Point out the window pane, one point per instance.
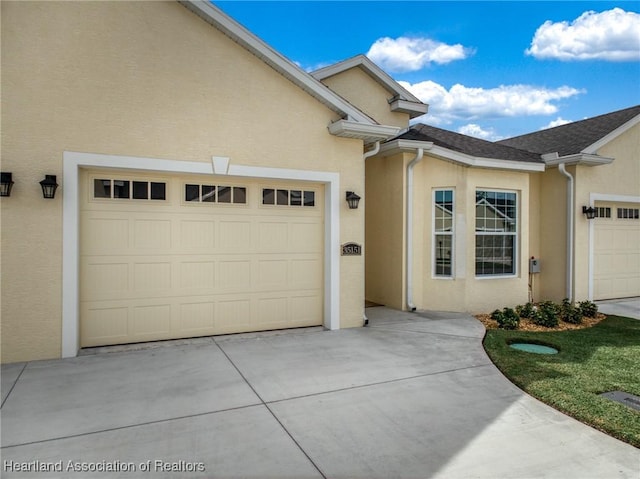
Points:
(140, 190)
(224, 194)
(158, 191)
(239, 194)
(283, 197)
(444, 210)
(120, 189)
(192, 193)
(495, 255)
(208, 193)
(309, 198)
(268, 196)
(296, 198)
(102, 188)
(443, 251)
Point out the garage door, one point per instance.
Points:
(175, 257)
(616, 251)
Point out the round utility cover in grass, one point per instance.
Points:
(534, 348)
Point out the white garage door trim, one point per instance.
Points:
(73, 161)
(593, 197)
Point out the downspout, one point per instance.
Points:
(570, 230)
(409, 228)
(367, 155)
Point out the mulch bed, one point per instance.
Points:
(527, 325)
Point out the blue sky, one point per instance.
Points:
(488, 69)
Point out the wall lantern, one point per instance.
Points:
(352, 200)
(49, 186)
(6, 182)
(590, 211)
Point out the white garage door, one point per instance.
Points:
(175, 257)
(616, 251)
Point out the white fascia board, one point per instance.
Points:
(372, 69)
(400, 145)
(403, 146)
(413, 109)
(583, 159)
(369, 133)
(218, 19)
(592, 149)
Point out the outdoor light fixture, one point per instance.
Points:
(49, 186)
(352, 200)
(6, 182)
(590, 211)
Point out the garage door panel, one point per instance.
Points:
(172, 269)
(616, 255)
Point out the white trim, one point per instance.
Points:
(440, 152)
(593, 197)
(584, 159)
(73, 161)
(373, 70)
(218, 19)
(593, 148)
(368, 133)
(414, 110)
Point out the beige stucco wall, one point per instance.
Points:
(386, 179)
(368, 95)
(621, 178)
(145, 79)
(385, 220)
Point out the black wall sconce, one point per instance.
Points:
(6, 182)
(352, 200)
(49, 186)
(589, 211)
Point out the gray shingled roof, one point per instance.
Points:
(572, 138)
(467, 144)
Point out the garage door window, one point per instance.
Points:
(129, 189)
(628, 213)
(281, 197)
(603, 212)
(198, 193)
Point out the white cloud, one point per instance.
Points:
(478, 132)
(406, 54)
(557, 122)
(470, 103)
(613, 35)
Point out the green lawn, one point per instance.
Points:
(602, 358)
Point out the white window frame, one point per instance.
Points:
(435, 234)
(515, 234)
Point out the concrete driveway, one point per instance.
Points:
(629, 307)
(408, 397)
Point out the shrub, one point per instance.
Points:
(546, 315)
(572, 315)
(508, 319)
(588, 309)
(527, 309)
(497, 315)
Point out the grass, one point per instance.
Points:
(605, 357)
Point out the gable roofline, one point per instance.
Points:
(593, 148)
(239, 34)
(402, 100)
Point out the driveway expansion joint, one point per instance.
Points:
(387, 328)
(14, 384)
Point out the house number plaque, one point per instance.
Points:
(351, 249)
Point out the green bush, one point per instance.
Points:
(588, 309)
(527, 309)
(508, 319)
(572, 315)
(497, 315)
(547, 314)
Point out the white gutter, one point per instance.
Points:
(409, 239)
(369, 154)
(570, 230)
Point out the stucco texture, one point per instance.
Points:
(146, 79)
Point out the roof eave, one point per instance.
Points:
(219, 20)
(413, 109)
(367, 133)
(552, 160)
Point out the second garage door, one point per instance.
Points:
(175, 257)
(616, 251)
